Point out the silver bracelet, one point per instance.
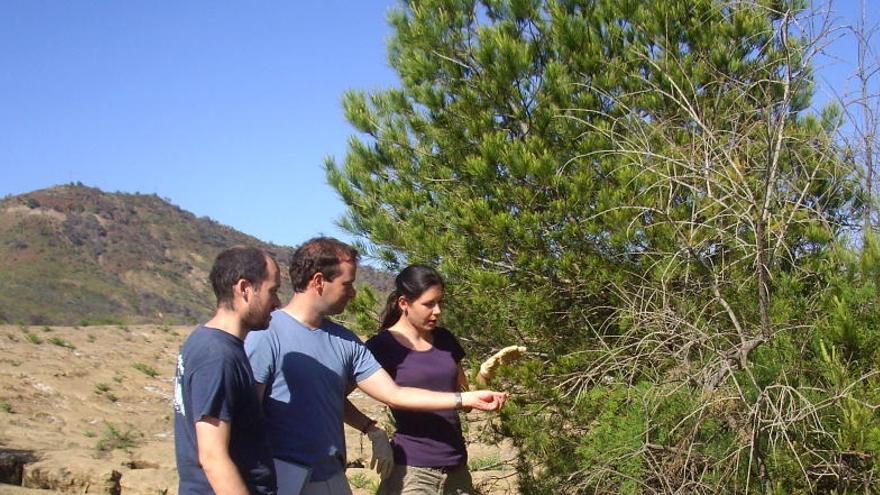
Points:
(457, 400)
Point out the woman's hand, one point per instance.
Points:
(484, 400)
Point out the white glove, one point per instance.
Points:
(383, 456)
(505, 356)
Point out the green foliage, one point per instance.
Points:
(492, 461)
(361, 481)
(62, 343)
(634, 191)
(116, 438)
(33, 339)
(5, 406)
(146, 369)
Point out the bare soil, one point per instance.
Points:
(88, 410)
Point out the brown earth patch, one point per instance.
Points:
(88, 410)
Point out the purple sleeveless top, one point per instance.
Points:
(424, 439)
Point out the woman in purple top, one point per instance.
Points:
(429, 451)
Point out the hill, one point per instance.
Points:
(73, 254)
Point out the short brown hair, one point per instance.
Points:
(234, 264)
(319, 255)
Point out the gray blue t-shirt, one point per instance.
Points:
(214, 379)
(307, 375)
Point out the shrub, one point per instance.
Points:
(62, 343)
(492, 461)
(146, 369)
(115, 438)
(363, 482)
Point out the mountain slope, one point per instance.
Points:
(75, 255)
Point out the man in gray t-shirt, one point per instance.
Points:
(305, 365)
(308, 372)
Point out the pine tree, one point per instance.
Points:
(634, 190)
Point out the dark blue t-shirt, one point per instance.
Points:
(214, 378)
(424, 439)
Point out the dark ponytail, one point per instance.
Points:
(410, 283)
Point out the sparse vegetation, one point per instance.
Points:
(47, 328)
(101, 388)
(33, 339)
(62, 343)
(71, 252)
(12, 337)
(111, 397)
(485, 463)
(363, 482)
(5, 406)
(118, 377)
(90, 338)
(146, 369)
(115, 438)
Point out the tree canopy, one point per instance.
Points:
(634, 190)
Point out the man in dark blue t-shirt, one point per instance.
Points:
(219, 438)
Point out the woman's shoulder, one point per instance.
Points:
(445, 340)
(444, 333)
(381, 338)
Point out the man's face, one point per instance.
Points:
(264, 299)
(340, 291)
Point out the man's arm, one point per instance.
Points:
(382, 459)
(352, 416)
(212, 438)
(381, 387)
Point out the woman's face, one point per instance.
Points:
(424, 312)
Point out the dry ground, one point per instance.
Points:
(88, 410)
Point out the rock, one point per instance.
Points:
(81, 476)
(160, 481)
(12, 464)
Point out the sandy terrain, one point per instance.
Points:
(88, 410)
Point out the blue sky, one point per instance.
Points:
(226, 108)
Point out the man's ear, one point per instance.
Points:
(318, 281)
(243, 289)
